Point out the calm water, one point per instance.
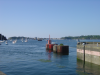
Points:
(31, 58)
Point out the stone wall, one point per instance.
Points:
(92, 53)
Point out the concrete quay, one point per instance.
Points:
(89, 52)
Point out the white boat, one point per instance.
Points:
(22, 39)
(14, 41)
(11, 40)
(1, 41)
(26, 40)
(6, 43)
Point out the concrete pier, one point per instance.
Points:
(61, 49)
(92, 52)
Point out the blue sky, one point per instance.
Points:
(59, 18)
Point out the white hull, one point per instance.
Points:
(25, 40)
(1, 41)
(14, 41)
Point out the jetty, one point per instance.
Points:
(89, 51)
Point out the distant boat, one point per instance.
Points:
(11, 40)
(22, 39)
(6, 43)
(26, 40)
(39, 39)
(1, 41)
(14, 41)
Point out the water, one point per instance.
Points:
(32, 58)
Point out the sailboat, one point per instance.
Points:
(26, 40)
(6, 43)
(11, 40)
(22, 39)
(14, 42)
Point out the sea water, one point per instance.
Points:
(32, 58)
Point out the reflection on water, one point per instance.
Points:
(57, 55)
(59, 62)
(31, 58)
(49, 54)
(88, 68)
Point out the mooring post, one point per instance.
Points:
(84, 57)
(84, 53)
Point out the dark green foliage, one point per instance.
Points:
(83, 37)
(17, 37)
(2, 37)
(61, 44)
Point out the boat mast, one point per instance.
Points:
(49, 37)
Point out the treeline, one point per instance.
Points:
(2, 37)
(18, 37)
(83, 37)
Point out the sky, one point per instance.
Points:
(59, 18)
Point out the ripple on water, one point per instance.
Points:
(32, 58)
